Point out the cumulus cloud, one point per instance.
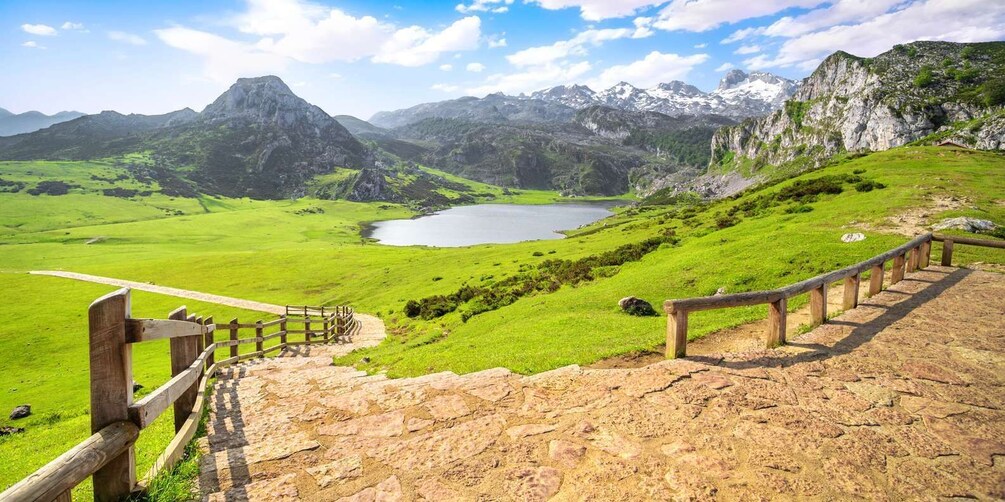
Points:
(723, 67)
(950, 20)
(531, 79)
(69, 25)
(598, 10)
(223, 59)
(495, 42)
(748, 49)
(475, 67)
(656, 67)
(576, 46)
(738, 35)
(416, 46)
(493, 6)
(704, 15)
(446, 67)
(126, 38)
(31, 44)
(838, 12)
(43, 30)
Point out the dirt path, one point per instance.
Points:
(901, 398)
(372, 329)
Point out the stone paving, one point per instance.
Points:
(901, 398)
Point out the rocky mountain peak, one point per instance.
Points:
(263, 99)
(731, 79)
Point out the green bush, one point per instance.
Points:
(925, 77)
(806, 190)
(801, 208)
(868, 186)
(725, 220)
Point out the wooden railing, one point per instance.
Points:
(906, 258)
(116, 421)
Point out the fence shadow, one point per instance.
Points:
(232, 441)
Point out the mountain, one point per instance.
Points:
(494, 108)
(11, 123)
(257, 139)
(358, 127)
(739, 95)
(855, 104)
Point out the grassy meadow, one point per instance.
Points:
(309, 251)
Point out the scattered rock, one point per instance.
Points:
(20, 412)
(565, 452)
(853, 237)
(636, 306)
(7, 431)
(721, 291)
(966, 224)
(540, 483)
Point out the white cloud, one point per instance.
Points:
(309, 33)
(31, 44)
(446, 67)
(949, 20)
(126, 38)
(700, 46)
(738, 35)
(72, 26)
(494, 6)
(223, 60)
(748, 49)
(723, 67)
(562, 49)
(531, 79)
(703, 15)
(656, 67)
(838, 12)
(598, 10)
(416, 46)
(475, 67)
(445, 87)
(39, 29)
(496, 42)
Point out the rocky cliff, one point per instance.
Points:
(853, 104)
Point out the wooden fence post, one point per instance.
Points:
(947, 253)
(677, 334)
(926, 254)
(184, 351)
(233, 337)
(898, 269)
(211, 359)
(307, 329)
(776, 322)
(259, 344)
(282, 327)
(325, 327)
(876, 280)
(851, 291)
(111, 388)
(913, 259)
(818, 305)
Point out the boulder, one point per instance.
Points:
(636, 306)
(20, 412)
(7, 431)
(854, 237)
(966, 224)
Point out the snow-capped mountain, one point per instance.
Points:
(739, 95)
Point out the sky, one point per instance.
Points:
(362, 56)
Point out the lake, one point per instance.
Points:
(489, 224)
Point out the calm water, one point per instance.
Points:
(489, 224)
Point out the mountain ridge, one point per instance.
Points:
(19, 123)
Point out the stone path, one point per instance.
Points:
(900, 398)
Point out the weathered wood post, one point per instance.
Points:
(282, 327)
(307, 330)
(851, 284)
(947, 253)
(259, 344)
(912, 260)
(325, 327)
(876, 280)
(776, 322)
(233, 337)
(926, 254)
(676, 333)
(898, 269)
(818, 305)
(184, 351)
(209, 340)
(111, 388)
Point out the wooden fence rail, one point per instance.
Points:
(907, 258)
(116, 421)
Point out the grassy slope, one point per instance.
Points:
(263, 250)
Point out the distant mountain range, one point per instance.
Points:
(18, 123)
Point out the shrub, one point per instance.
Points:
(801, 208)
(809, 189)
(725, 220)
(925, 77)
(868, 186)
(967, 52)
(538, 253)
(51, 188)
(412, 309)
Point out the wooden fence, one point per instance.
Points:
(906, 258)
(116, 421)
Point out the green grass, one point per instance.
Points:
(267, 251)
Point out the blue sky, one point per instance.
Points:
(359, 57)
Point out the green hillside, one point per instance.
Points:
(310, 251)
